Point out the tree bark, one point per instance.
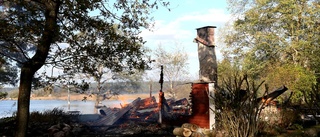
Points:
(24, 100)
(34, 64)
(97, 102)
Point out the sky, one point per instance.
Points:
(180, 23)
(179, 26)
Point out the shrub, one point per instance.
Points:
(278, 120)
(238, 107)
(3, 95)
(14, 94)
(49, 116)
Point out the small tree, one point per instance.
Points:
(175, 65)
(35, 29)
(100, 76)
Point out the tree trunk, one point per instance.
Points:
(96, 105)
(24, 100)
(34, 64)
(97, 102)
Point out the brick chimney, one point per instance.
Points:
(206, 54)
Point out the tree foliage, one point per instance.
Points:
(280, 36)
(226, 67)
(297, 79)
(8, 73)
(33, 31)
(278, 31)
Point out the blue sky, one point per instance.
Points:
(179, 25)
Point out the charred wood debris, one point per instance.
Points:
(138, 118)
(141, 117)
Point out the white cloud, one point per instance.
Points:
(179, 28)
(183, 29)
(207, 16)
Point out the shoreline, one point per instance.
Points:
(80, 97)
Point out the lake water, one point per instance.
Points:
(8, 107)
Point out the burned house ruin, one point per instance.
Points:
(195, 110)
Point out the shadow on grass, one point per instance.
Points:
(39, 122)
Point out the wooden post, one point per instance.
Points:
(161, 96)
(150, 89)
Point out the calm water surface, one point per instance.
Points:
(8, 107)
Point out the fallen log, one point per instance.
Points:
(207, 132)
(190, 126)
(187, 132)
(178, 131)
(182, 132)
(197, 134)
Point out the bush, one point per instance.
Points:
(278, 120)
(14, 94)
(3, 95)
(49, 116)
(239, 108)
(289, 117)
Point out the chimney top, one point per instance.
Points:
(205, 35)
(206, 27)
